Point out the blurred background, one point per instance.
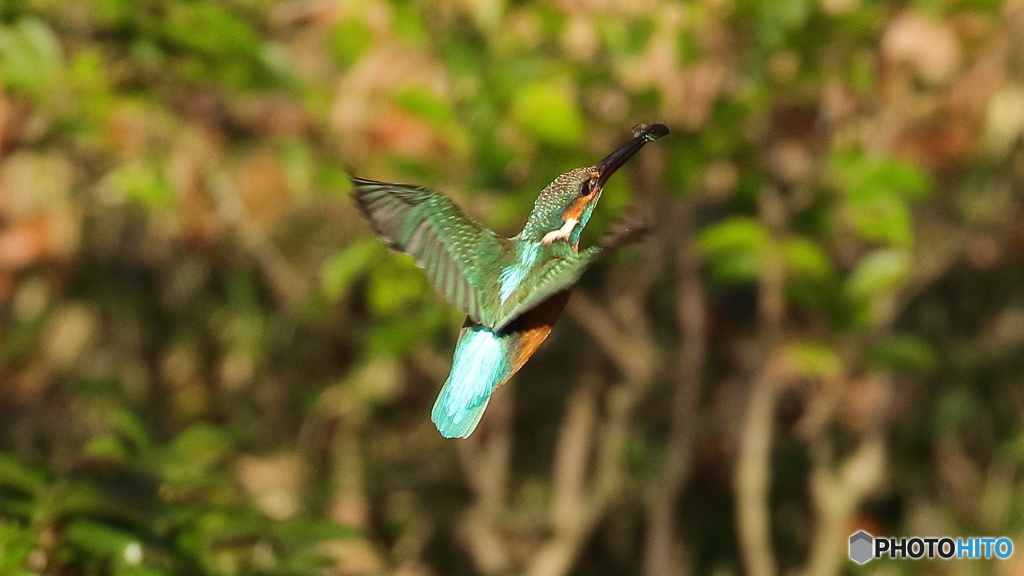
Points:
(208, 365)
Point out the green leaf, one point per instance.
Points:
(298, 531)
(98, 538)
(30, 57)
(736, 267)
(17, 475)
(395, 286)
(549, 114)
(880, 272)
(407, 23)
(638, 35)
(126, 423)
(145, 182)
(864, 178)
(814, 360)
(735, 234)
(208, 28)
(106, 446)
(297, 161)
(201, 446)
(349, 41)
(340, 271)
(955, 409)
(421, 102)
(804, 257)
(904, 352)
(883, 219)
(16, 544)
(687, 48)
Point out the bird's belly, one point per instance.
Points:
(535, 325)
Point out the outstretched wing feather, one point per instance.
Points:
(460, 257)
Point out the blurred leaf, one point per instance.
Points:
(211, 29)
(16, 543)
(425, 104)
(733, 235)
(864, 178)
(296, 532)
(74, 498)
(339, 272)
(884, 219)
(804, 257)
(350, 39)
(201, 446)
(904, 352)
(141, 571)
(883, 271)
(106, 446)
(99, 538)
(394, 336)
(17, 475)
(778, 19)
(144, 182)
(736, 267)
(815, 360)
(549, 114)
(687, 48)
(407, 23)
(127, 423)
(297, 161)
(955, 408)
(395, 285)
(638, 35)
(30, 58)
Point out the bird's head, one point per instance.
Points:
(564, 207)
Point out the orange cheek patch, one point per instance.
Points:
(575, 210)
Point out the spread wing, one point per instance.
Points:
(561, 273)
(461, 258)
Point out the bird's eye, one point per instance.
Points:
(588, 187)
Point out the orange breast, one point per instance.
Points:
(536, 325)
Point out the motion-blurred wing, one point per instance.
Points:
(461, 258)
(561, 273)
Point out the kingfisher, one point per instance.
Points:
(512, 290)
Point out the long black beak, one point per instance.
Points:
(642, 134)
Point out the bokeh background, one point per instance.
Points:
(208, 366)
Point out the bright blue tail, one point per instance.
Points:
(481, 363)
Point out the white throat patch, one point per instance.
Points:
(562, 233)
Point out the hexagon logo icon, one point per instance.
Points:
(861, 545)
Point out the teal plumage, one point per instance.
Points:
(511, 289)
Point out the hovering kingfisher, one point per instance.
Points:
(512, 289)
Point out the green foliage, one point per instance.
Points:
(143, 181)
(877, 194)
(735, 248)
(880, 273)
(806, 259)
(905, 352)
(340, 272)
(210, 29)
(30, 58)
(546, 112)
(350, 39)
